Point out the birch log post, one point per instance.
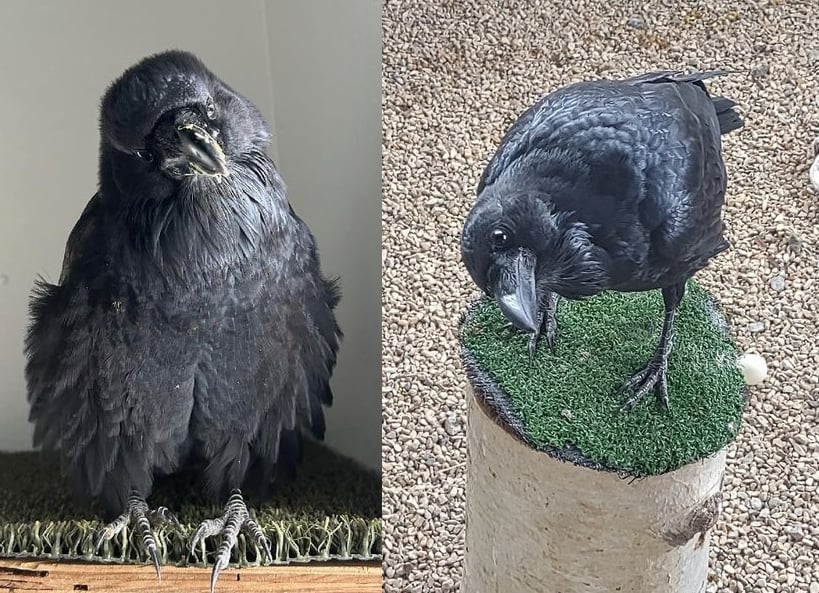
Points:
(536, 523)
(567, 494)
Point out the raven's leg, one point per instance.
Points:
(547, 324)
(653, 376)
(236, 517)
(137, 512)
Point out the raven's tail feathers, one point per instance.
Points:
(729, 119)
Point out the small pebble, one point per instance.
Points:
(636, 22)
(795, 243)
(761, 70)
(451, 425)
(778, 283)
(776, 503)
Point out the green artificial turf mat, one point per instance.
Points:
(564, 403)
(331, 511)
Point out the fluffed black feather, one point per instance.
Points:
(191, 318)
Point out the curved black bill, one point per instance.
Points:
(515, 293)
(203, 154)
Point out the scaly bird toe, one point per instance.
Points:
(547, 330)
(547, 324)
(235, 518)
(138, 513)
(532, 346)
(652, 377)
(550, 331)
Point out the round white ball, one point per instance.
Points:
(754, 368)
(813, 173)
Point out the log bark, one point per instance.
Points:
(538, 524)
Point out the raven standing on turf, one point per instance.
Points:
(191, 320)
(604, 185)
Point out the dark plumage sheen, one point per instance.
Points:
(603, 185)
(191, 320)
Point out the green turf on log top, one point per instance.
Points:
(331, 511)
(564, 403)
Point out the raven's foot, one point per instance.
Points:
(137, 512)
(547, 326)
(652, 377)
(534, 337)
(236, 517)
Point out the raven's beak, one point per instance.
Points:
(201, 151)
(515, 293)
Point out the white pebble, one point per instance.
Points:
(754, 368)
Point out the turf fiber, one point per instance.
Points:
(564, 403)
(331, 511)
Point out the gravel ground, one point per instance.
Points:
(456, 73)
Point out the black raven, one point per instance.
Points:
(191, 321)
(603, 185)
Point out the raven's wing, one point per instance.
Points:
(79, 240)
(97, 383)
(570, 102)
(551, 121)
(512, 145)
(685, 177)
(61, 373)
(46, 339)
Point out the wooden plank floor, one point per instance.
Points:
(65, 577)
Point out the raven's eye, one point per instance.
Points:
(210, 108)
(144, 154)
(499, 237)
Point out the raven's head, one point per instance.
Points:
(169, 119)
(517, 249)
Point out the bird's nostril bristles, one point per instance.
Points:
(196, 131)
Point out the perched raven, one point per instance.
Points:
(604, 185)
(191, 322)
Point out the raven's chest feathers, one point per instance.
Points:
(218, 262)
(205, 227)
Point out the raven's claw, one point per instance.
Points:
(655, 374)
(236, 517)
(532, 346)
(547, 326)
(652, 377)
(550, 328)
(137, 512)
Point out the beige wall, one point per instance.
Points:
(328, 122)
(56, 58)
